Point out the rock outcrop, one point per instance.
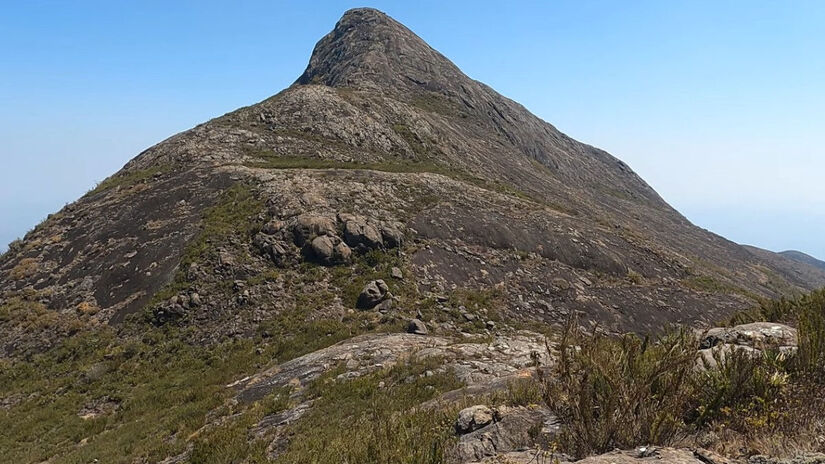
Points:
(716, 343)
(486, 433)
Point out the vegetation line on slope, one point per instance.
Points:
(268, 160)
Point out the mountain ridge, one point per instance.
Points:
(376, 101)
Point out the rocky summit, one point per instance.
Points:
(385, 224)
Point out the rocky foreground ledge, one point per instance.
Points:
(643, 455)
(488, 366)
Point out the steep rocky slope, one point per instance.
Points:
(381, 126)
(383, 192)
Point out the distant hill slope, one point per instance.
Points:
(787, 266)
(803, 258)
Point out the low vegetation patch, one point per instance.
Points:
(270, 160)
(468, 309)
(295, 333)
(620, 392)
(130, 178)
(100, 396)
(234, 216)
(623, 391)
(374, 418)
(713, 285)
(24, 269)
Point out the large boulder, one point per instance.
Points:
(361, 235)
(418, 327)
(373, 293)
(329, 250)
(392, 236)
(308, 226)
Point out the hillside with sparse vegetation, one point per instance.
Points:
(390, 262)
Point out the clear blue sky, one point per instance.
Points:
(720, 106)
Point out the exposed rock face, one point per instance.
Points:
(719, 342)
(653, 454)
(637, 456)
(809, 458)
(511, 431)
(755, 335)
(476, 364)
(473, 418)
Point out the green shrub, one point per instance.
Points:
(738, 387)
(161, 390)
(620, 391)
(520, 392)
(810, 315)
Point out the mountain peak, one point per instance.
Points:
(369, 49)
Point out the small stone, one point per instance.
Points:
(272, 227)
(384, 306)
(473, 418)
(417, 326)
(195, 299)
(396, 273)
(490, 325)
